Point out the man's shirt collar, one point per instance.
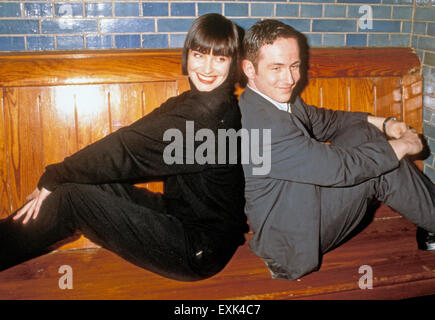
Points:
(281, 106)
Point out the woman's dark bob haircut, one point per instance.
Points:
(213, 32)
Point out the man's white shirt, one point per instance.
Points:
(281, 106)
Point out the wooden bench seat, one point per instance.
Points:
(53, 104)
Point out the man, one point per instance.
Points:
(315, 193)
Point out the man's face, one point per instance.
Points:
(278, 69)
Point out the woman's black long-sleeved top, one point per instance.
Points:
(209, 196)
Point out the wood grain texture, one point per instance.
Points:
(362, 62)
(124, 66)
(400, 271)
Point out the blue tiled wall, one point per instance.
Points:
(81, 24)
(30, 25)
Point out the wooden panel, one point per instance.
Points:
(412, 97)
(361, 94)
(388, 97)
(91, 112)
(24, 141)
(5, 200)
(311, 93)
(362, 62)
(350, 94)
(183, 85)
(66, 68)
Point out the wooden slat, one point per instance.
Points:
(92, 112)
(412, 101)
(24, 141)
(361, 95)
(388, 99)
(5, 183)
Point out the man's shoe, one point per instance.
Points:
(425, 239)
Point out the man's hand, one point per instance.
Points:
(409, 143)
(395, 129)
(32, 207)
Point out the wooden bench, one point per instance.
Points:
(55, 103)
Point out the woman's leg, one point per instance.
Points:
(114, 216)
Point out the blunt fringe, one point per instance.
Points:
(213, 32)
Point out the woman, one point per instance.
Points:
(191, 231)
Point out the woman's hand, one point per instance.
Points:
(31, 208)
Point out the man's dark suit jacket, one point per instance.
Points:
(283, 206)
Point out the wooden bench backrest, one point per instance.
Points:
(53, 104)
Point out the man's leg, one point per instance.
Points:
(404, 189)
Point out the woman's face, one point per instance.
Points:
(207, 71)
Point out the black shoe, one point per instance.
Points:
(425, 239)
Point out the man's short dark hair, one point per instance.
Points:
(266, 32)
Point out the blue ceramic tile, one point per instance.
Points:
(126, 25)
(378, 12)
(12, 44)
(154, 41)
(99, 9)
(402, 12)
(311, 11)
(99, 42)
(431, 29)
(174, 25)
(426, 43)
(335, 11)
(378, 40)
(127, 41)
(419, 28)
(333, 40)
(399, 40)
(334, 25)
(68, 26)
(425, 14)
(287, 10)
(359, 1)
(182, 9)
(10, 10)
(177, 40)
(126, 9)
(208, 7)
(236, 9)
(356, 40)
(38, 10)
(68, 10)
(69, 42)
(261, 10)
(383, 26)
(40, 43)
(151, 9)
(245, 23)
(302, 25)
(314, 39)
(19, 26)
